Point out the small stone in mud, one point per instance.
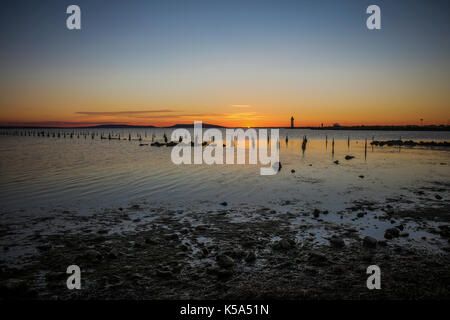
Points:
(113, 254)
(337, 242)
(438, 197)
(400, 227)
(223, 273)
(404, 234)
(135, 207)
(251, 256)
(292, 171)
(360, 214)
(336, 161)
(150, 241)
(16, 288)
(391, 233)
(163, 273)
(349, 157)
(45, 247)
(224, 261)
(369, 242)
(93, 255)
(283, 244)
(310, 270)
(361, 176)
(338, 269)
(172, 236)
(224, 203)
(317, 257)
(382, 243)
(316, 213)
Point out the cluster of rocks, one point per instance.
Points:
(204, 256)
(410, 143)
(161, 144)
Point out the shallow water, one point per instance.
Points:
(46, 172)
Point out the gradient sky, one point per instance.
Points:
(236, 63)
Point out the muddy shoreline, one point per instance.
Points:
(147, 252)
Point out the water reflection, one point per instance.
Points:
(111, 167)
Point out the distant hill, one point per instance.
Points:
(191, 125)
(118, 126)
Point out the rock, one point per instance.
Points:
(444, 231)
(316, 213)
(382, 243)
(224, 203)
(251, 256)
(173, 236)
(337, 242)
(317, 257)
(370, 242)
(360, 214)
(113, 254)
(292, 171)
(150, 241)
(225, 261)
(283, 244)
(224, 273)
(44, 247)
(404, 234)
(336, 161)
(93, 255)
(400, 227)
(349, 157)
(163, 273)
(337, 270)
(310, 270)
(135, 207)
(367, 258)
(15, 289)
(361, 176)
(391, 233)
(438, 197)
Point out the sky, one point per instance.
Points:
(231, 63)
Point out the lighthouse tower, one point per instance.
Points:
(292, 122)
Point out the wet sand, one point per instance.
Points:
(282, 251)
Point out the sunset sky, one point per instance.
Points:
(232, 63)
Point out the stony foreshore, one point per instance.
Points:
(148, 252)
(410, 143)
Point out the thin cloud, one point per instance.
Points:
(241, 105)
(122, 113)
(244, 115)
(56, 123)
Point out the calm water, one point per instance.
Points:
(47, 172)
